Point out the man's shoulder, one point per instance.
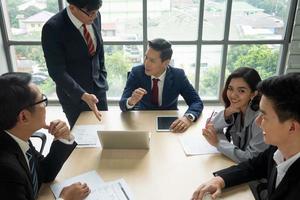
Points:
(175, 70)
(139, 69)
(270, 151)
(57, 19)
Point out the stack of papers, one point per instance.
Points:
(196, 145)
(86, 135)
(100, 190)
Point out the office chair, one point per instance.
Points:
(128, 73)
(42, 137)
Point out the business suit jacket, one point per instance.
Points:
(69, 64)
(262, 166)
(15, 177)
(175, 84)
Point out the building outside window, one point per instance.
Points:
(210, 38)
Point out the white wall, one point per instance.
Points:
(3, 63)
(293, 60)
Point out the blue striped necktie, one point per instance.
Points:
(33, 172)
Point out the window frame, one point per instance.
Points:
(225, 42)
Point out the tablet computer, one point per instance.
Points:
(163, 123)
(124, 139)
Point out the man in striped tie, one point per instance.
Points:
(22, 168)
(74, 54)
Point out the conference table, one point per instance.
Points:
(162, 172)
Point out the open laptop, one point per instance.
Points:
(124, 139)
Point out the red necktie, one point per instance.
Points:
(89, 41)
(154, 97)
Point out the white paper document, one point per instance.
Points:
(86, 135)
(196, 145)
(114, 190)
(91, 178)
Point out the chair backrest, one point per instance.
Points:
(42, 137)
(128, 73)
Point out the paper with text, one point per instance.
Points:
(92, 179)
(86, 135)
(115, 190)
(195, 144)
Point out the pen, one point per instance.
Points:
(123, 191)
(209, 119)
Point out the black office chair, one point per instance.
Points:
(43, 138)
(128, 73)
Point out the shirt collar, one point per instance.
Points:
(23, 145)
(77, 23)
(161, 77)
(283, 165)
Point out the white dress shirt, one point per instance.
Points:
(283, 165)
(160, 85)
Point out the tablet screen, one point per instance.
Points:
(164, 122)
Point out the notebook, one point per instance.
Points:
(124, 139)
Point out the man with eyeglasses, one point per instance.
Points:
(73, 50)
(22, 168)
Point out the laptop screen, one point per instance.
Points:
(124, 139)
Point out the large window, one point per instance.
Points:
(210, 37)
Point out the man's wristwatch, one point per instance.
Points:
(190, 117)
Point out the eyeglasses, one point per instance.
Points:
(89, 14)
(44, 101)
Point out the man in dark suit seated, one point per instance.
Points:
(22, 168)
(279, 164)
(156, 85)
(73, 50)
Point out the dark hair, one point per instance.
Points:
(88, 4)
(251, 77)
(284, 92)
(163, 46)
(15, 95)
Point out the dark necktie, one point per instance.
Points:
(33, 172)
(89, 41)
(154, 92)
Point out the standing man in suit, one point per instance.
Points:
(156, 85)
(22, 168)
(73, 49)
(279, 164)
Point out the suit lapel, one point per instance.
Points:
(11, 145)
(73, 34)
(272, 180)
(291, 177)
(168, 83)
(97, 31)
(147, 86)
